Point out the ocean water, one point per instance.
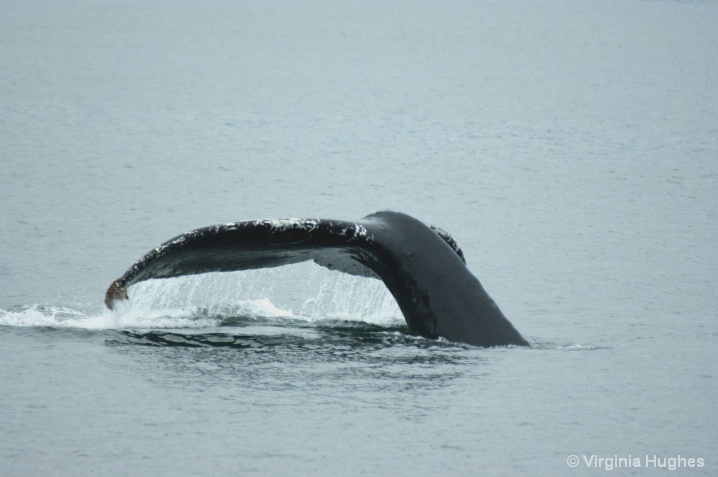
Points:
(571, 148)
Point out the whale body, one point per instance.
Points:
(422, 266)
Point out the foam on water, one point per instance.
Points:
(132, 315)
(212, 300)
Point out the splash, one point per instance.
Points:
(301, 291)
(42, 315)
(350, 298)
(222, 299)
(133, 316)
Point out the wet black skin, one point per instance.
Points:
(423, 268)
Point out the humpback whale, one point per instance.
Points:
(422, 266)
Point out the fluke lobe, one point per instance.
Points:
(422, 266)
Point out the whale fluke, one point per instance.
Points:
(422, 266)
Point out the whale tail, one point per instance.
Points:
(422, 266)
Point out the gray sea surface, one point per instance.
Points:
(570, 147)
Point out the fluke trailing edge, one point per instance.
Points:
(422, 266)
